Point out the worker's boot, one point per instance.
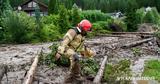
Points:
(69, 79)
(77, 72)
(75, 76)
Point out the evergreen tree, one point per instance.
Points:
(105, 5)
(131, 15)
(63, 19)
(75, 15)
(149, 17)
(16, 3)
(68, 3)
(152, 16)
(38, 16)
(53, 6)
(4, 6)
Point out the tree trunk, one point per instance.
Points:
(142, 33)
(99, 75)
(135, 43)
(125, 35)
(30, 74)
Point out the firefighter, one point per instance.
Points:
(72, 46)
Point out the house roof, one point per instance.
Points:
(40, 3)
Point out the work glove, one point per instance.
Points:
(76, 57)
(61, 49)
(89, 52)
(57, 56)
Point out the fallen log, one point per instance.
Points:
(99, 75)
(3, 70)
(124, 35)
(93, 43)
(143, 33)
(135, 43)
(30, 74)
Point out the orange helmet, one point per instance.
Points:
(85, 25)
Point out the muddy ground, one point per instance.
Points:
(20, 57)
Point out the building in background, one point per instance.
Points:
(30, 5)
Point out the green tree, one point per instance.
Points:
(37, 16)
(149, 17)
(152, 16)
(131, 15)
(75, 15)
(4, 6)
(44, 1)
(53, 6)
(68, 3)
(158, 5)
(16, 3)
(38, 22)
(104, 5)
(63, 19)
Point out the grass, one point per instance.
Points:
(152, 69)
(136, 51)
(122, 69)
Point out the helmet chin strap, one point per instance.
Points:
(79, 29)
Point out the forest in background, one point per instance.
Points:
(18, 27)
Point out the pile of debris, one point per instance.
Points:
(109, 48)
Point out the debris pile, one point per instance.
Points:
(110, 49)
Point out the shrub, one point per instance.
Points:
(63, 21)
(136, 51)
(1, 31)
(103, 27)
(99, 27)
(19, 27)
(50, 32)
(75, 15)
(131, 21)
(122, 69)
(152, 17)
(140, 13)
(117, 25)
(51, 19)
(50, 28)
(1, 34)
(94, 15)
